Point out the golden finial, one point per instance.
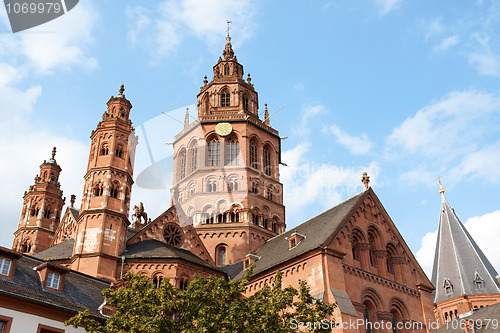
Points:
(441, 189)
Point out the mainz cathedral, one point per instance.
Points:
(226, 212)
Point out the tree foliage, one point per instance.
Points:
(209, 304)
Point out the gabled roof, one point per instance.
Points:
(62, 250)
(459, 260)
(75, 212)
(151, 248)
(317, 231)
(80, 291)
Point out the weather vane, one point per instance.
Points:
(228, 27)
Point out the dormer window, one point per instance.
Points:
(5, 266)
(448, 287)
(249, 259)
(53, 280)
(294, 239)
(52, 275)
(478, 281)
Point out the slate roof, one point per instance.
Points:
(152, 248)
(62, 250)
(458, 259)
(487, 320)
(232, 270)
(80, 291)
(75, 212)
(317, 231)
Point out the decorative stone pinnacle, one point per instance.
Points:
(365, 179)
(73, 199)
(186, 118)
(122, 89)
(205, 81)
(53, 152)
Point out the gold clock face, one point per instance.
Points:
(223, 129)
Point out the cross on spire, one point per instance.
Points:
(228, 27)
(365, 179)
(441, 189)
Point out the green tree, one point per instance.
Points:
(209, 304)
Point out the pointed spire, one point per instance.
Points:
(365, 180)
(458, 259)
(186, 118)
(266, 115)
(228, 52)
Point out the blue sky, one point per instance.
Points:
(405, 90)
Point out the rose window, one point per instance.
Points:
(173, 234)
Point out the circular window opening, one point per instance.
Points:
(173, 234)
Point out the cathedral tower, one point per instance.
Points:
(41, 211)
(226, 178)
(103, 219)
(463, 276)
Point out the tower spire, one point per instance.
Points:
(228, 52)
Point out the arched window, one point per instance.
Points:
(226, 70)
(233, 184)
(245, 103)
(26, 247)
(206, 104)
(391, 254)
(371, 242)
(213, 152)
(183, 283)
(253, 154)
(255, 187)
(46, 214)
(448, 287)
(98, 189)
(212, 185)
(269, 193)
(220, 255)
(157, 281)
(119, 151)
(267, 161)
(182, 165)
(34, 211)
(104, 149)
(233, 152)
(114, 190)
(194, 157)
(225, 98)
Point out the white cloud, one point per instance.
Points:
(447, 127)
(206, 19)
(484, 229)
(24, 147)
(387, 5)
(450, 136)
(325, 185)
(486, 63)
(357, 145)
(308, 113)
(60, 43)
(446, 44)
(432, 27)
